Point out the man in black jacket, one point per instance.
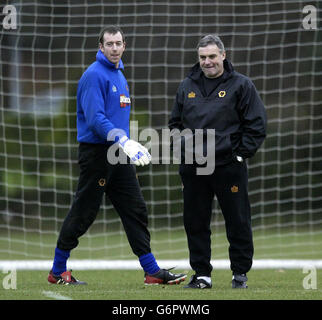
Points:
(214, 96)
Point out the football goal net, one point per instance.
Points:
(46, 46)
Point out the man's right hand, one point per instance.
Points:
(137, 153)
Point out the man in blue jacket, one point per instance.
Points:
(214, 96)
(103, 113)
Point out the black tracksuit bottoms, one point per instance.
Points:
(230, 185)
(120, 184)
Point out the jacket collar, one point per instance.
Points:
(196, 72)
(103, 60)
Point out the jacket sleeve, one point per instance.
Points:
(253, 121)
(92, 99)
(175, 121)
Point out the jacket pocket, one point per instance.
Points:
(224, 151)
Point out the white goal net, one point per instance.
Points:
(45, 47)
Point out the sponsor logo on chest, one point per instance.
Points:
(124, 101)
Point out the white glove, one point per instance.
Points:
(138, 154)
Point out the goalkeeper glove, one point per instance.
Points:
(138, 154)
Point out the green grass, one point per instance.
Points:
(166, 244)
(128, 285)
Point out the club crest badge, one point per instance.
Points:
(191, 95)
(102, 182)
(221, 93)
(234, 189)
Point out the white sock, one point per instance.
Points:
(207, 279)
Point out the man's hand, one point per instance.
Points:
(138, 154)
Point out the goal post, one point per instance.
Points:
(278, 44)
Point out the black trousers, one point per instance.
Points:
(229, 184)
(120, 184)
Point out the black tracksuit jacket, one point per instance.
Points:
(233, 108)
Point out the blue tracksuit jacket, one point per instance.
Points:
(103, 102)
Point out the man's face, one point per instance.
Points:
(113, 47)
(211, 61)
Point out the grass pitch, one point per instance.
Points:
(128, 285)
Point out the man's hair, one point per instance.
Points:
(211, 39)
(111, 30)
